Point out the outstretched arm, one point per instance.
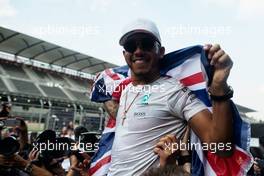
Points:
(216, 127)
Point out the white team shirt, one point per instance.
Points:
(162, 107)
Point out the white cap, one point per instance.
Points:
(140, 26)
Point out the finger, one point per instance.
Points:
(212, 50)
(31, 152)
(166, 139)
(161, 145)
(37, 154)
(34, 153)
(216, 56)
(157, 150)
(224, 61)
(161, 153)
(207, 46)
(172, 138)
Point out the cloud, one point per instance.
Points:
(244, 9)
(221, 3)
(99, 5)
(6, 9)
(250, 9)
(261, 89)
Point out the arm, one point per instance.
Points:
(216, 127)
(111, 107)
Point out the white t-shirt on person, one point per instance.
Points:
(160, 108)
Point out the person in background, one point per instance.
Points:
(6, 109)
(168, 149)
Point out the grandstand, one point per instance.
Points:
(50, 84)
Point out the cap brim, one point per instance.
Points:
(124, 38)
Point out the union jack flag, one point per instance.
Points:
(190, 66)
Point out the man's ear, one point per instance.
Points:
(124, 52)
(161, 52)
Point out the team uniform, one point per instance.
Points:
(151, 112)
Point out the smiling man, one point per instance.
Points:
(144, 117)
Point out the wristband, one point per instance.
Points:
(225, 97)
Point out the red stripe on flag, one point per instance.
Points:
(114, 76)
(98, 165)
(226, 166)
(193, 79)
(111, 122)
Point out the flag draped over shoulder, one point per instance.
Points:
(190, 66)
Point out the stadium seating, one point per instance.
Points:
(26, 87)
(15, 70)
(3, 87)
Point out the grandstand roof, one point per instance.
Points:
(30, 47)
(244, 109)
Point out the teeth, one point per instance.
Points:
(137, 60)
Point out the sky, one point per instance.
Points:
(94, 27)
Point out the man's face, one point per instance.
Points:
(142, 54)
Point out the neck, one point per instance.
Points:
(144, 79)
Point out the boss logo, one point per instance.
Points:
(139, 114)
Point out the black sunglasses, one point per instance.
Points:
(146, 44)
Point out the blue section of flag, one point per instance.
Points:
(105, 145)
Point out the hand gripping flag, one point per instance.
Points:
(190, 66)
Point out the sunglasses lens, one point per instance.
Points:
(130, 46)
(145, 44)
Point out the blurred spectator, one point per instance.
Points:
(22, 132)
(50, 158)
(70, 126)
(64, 132)
(6, 109)
(18, 130)
(78, 131)
(77, 167)
(258, 165)
(17, 166)
(33, 136)
(168, 150)
(167, 171)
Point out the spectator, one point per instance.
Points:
(17, 166)
(78, 131)
(6, 109)
(64, 132)
(168, 149)
(167, 171)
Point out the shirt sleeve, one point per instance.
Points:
(184, 104)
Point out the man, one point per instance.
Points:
(152, 106)
(6, 108)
